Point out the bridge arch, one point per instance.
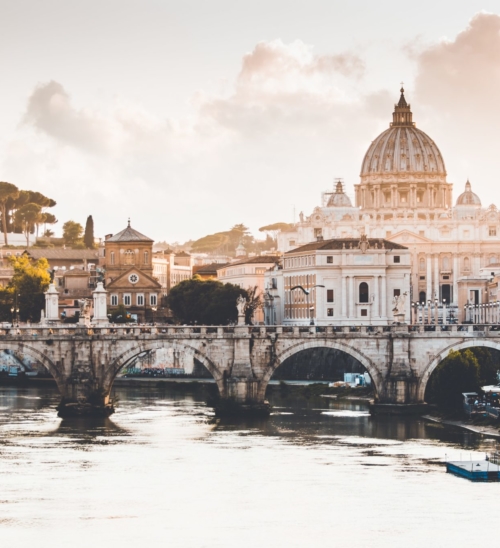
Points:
(23, 348)
(431, 366)
(114, 367)
(289, 351)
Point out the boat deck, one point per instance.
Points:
(475, 470)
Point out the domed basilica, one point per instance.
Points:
(403, 197)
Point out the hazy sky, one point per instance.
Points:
(192, 116)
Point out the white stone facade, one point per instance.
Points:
(403, 196)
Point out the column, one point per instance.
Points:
(428, 276)
(436, 277)
(100, 306)
(384, 296)
(455, 279)
(344, 297)
(351, 300)
(51, 304)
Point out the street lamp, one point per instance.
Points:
(153, 308)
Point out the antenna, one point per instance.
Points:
(293, 219)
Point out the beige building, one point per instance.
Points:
(127, 259)
(247, 274)
(404, 197)
(352, 281)
(171, 268)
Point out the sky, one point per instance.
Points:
(190, 117)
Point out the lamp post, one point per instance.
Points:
(436, 311)
(429, 311)
(153, 308)
(444, 311)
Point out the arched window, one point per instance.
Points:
(129, 256)
(421, 297)
(421, 266)
(493, 259)
(112, 258)
(363, 292)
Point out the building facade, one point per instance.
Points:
(404, 197)
(351, 281)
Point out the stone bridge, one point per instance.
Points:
(242, 359)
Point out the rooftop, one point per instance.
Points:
(346, 243)
(261, 259)
(129, 234)
(52, 253)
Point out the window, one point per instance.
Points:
(127, 299)
(291, 242)
(388, 233)
(363, 292)
(129, 256)
(397, 259)
(446, 263)
(422, 278)
(466, 263)
(329, 312)
(364, 312)
(421, 264)
(140, 299)
(152, 299)
(421, 297)
(466, 234)
(329, 296)
(318, 232)
(492, 231)
(446, 277)
(146, 257)
(493, 260)
(397, 292)
(112, 258)
(114, 300)
(329, 259)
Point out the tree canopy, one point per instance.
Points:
(205, 302)
(72, 232)
(29, 283)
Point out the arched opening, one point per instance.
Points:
(421, 297)
(459, 369)
(363, 292)
(161, 360)
(326, 362)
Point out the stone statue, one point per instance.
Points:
(399, 304)
(84, 308)
(241, 302)
(301, 216)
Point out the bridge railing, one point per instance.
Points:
(207, 332)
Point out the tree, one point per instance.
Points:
(275, 228)
(254, 302)
(207, 302)
(120, 315)
(27, 217)
(88, 237)
(72, 232)
(30, 281)
(7, 191)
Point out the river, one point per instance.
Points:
(162, 472)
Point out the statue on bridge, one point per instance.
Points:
(399, 307)
(84, 310)
(241, 303)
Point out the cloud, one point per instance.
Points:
(50, 111)
(458, 85)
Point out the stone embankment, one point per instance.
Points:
(484, 429)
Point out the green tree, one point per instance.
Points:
(8, 191)
(120, 314)
(204, 302)
(72, 232)
(88, 237)
(275, 228)
(27, 217)
(30, 281)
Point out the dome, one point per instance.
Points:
(468, 197)
(339, 198)
(403, 149)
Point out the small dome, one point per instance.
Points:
(468, 198)
(339, 198)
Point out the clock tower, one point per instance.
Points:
(129, 280)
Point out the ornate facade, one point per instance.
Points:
(403, 196)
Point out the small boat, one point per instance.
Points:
(475, 470)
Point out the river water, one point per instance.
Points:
(162, 472)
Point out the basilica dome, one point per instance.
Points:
(468, 197)
(339, 198)
(403, 151)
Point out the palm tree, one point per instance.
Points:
(7, 190)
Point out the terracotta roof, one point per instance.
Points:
(271, 259)
(60, 253)
(129, 234)
(340, 243)
(208, 268)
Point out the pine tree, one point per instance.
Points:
(88, 237)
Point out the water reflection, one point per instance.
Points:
(164, 468)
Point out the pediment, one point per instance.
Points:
(125, 281)
(405, 237)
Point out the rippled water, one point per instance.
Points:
(162, 472)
